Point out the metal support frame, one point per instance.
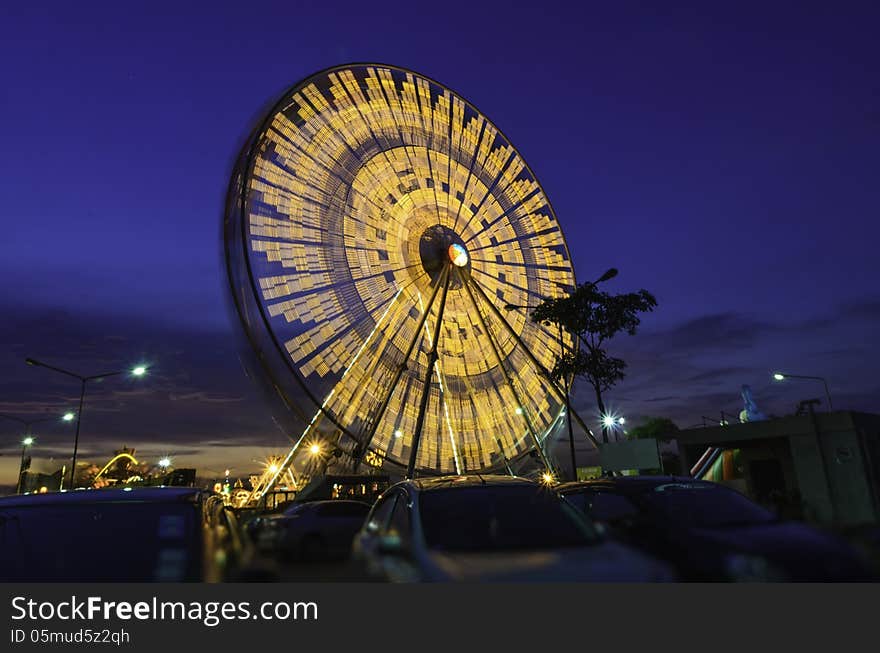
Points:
(507, 378)
(560, 393)
(432, 360)
(365, 445)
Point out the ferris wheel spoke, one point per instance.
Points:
(443, 392)
(516, 239)
(432, 361)
(367, 380)
(531, 293)
(491, 189)
(470, 173)
(508, 214)
(412, 165)
(383, 406)
(560, 393)
(498, 358)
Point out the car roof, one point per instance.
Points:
(627, 483)
(128, 494)
(324, 502)
(431, 483)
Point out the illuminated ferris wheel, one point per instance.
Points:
(376, 227)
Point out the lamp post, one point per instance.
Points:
(140, 370)
(26, 442)
(609, 274)
(779, 376)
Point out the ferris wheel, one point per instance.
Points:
(377, 226)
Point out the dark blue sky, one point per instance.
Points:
(725, 158)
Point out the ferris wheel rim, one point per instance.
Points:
(249, 155)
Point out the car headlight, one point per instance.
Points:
(745, 568)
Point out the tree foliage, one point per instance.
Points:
(594, 317)
(661, 428)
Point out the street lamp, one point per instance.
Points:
(608, 274)
(165, 463)
(26, 442)
(140, 370)
(780, 376)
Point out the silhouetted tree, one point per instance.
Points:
(661, 428)
(594, 317)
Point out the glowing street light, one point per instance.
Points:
(165, 462)
(612, 421)
(315, 449)
(26, 442)
(68, 417)
(780, 376)
(273, 468)
(138, 371)
(547, 478)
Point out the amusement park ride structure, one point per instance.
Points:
(376, 225)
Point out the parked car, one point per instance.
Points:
(490, 528)
(120, 535)
(711, 532)
(313, 530)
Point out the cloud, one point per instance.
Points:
(696, 368)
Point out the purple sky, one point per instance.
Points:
(725, 159)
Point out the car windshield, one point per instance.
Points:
(496, 518)
(100, 542)
(702, 505)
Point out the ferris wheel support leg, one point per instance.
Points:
(547, 464)
(364, 447)
(432, 361)
(556, 389)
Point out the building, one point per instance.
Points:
(822, 467)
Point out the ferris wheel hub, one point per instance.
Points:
(439, 246)
(458, 255)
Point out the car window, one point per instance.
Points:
(296, 509)
(381, 513)
(400, 521)
(491, 518)
(702, 505)
(342, 509)
(609, 507)
(104, 541)
(578, 500)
